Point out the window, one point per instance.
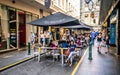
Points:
(3, 27)
(86, 15)
(12, 27)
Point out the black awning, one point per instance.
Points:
(57, 19)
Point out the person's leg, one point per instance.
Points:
(71, 61)
(70, 55)
(99, 47)
(93, 40)
(107, 48)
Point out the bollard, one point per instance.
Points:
(28, 48)
(90, 51)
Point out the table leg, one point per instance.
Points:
(39, 57)
(62, 56)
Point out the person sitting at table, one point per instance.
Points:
(78, 42)
(52, 44)
(72, 49)
(64, 44)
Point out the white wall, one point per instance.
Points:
(20, 5)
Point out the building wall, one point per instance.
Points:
(21, 5)
(32, 12)
(86, 14)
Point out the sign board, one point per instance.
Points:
(47, 3)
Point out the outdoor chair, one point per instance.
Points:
(36, 53)
(56, 54)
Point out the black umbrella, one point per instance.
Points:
(84, 27)
(57, 19)
(81, 23)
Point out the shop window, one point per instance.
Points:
(3, 27)
(12, 27)
(94, 20)
(86, 15)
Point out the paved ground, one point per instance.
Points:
(102, 64)
(12, 57)
(33, 67)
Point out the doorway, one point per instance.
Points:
(22, 29)
(119, 40)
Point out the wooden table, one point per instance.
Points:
(54, 48)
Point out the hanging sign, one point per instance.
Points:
(47, 3)
(87, 1)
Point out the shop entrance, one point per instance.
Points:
(22, 29)
(119, 40)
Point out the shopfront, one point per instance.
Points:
(14, 30)
(3, 27)
(118, 31)
(113, 25)
(115, 30)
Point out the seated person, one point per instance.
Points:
(78, 42)
(64, 44)
(72, 49)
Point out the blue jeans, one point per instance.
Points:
(92, 40)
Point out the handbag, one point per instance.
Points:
(67, 53)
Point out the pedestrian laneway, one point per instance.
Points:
(13, 57)
(32, 67)
(102, 64)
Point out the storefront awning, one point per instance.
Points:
(57, 19)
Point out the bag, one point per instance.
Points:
(67, 53)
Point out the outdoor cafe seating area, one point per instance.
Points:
(54, 51)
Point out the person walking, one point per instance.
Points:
(32, 40)
(107, 44)
(99, 42)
